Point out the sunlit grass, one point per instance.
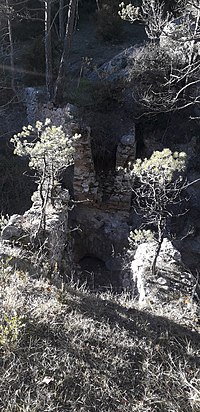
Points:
(77, 351)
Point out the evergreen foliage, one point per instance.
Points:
(47, 146)
(157, 184)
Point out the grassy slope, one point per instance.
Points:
(80, 352)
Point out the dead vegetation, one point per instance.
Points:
(76, 351)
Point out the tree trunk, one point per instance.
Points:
(12, 63)
(161, 225)
(97, 3)
(48, 48)
(61, 20)
(191, 56)
(58, 94)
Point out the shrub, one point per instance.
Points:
(48, 152)
(157, 184)
(109, 24)
(154, 80)
(10, 326)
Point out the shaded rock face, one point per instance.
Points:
(33, 97)
(170, 283)
(99, 233)
(117, 68)
(30, 247)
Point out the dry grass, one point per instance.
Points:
(76, 351)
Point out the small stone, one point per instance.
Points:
(161, 281)
(128, 139)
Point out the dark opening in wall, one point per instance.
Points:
(95, 274)
(140, 141)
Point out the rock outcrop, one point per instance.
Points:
(117, 68)
(31, 243)
(170, 283)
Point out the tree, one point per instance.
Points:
(49, 150)
(66, 48)
(157, 184)
(61, 20)
(151, 13)
(176, 85)
(8, 14)
(48, 48)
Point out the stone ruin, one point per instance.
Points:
(102, 206)
(100, 211)
(109, 192)
(99, 223)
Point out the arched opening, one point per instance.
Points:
(96, 275)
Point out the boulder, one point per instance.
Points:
(13, 230)
(171, 280)
(117, 68)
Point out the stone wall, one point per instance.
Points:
(85, 183)
(107, 191)
(100, 216)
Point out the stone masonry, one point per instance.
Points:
(109, 191)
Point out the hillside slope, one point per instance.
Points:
(76, 351)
